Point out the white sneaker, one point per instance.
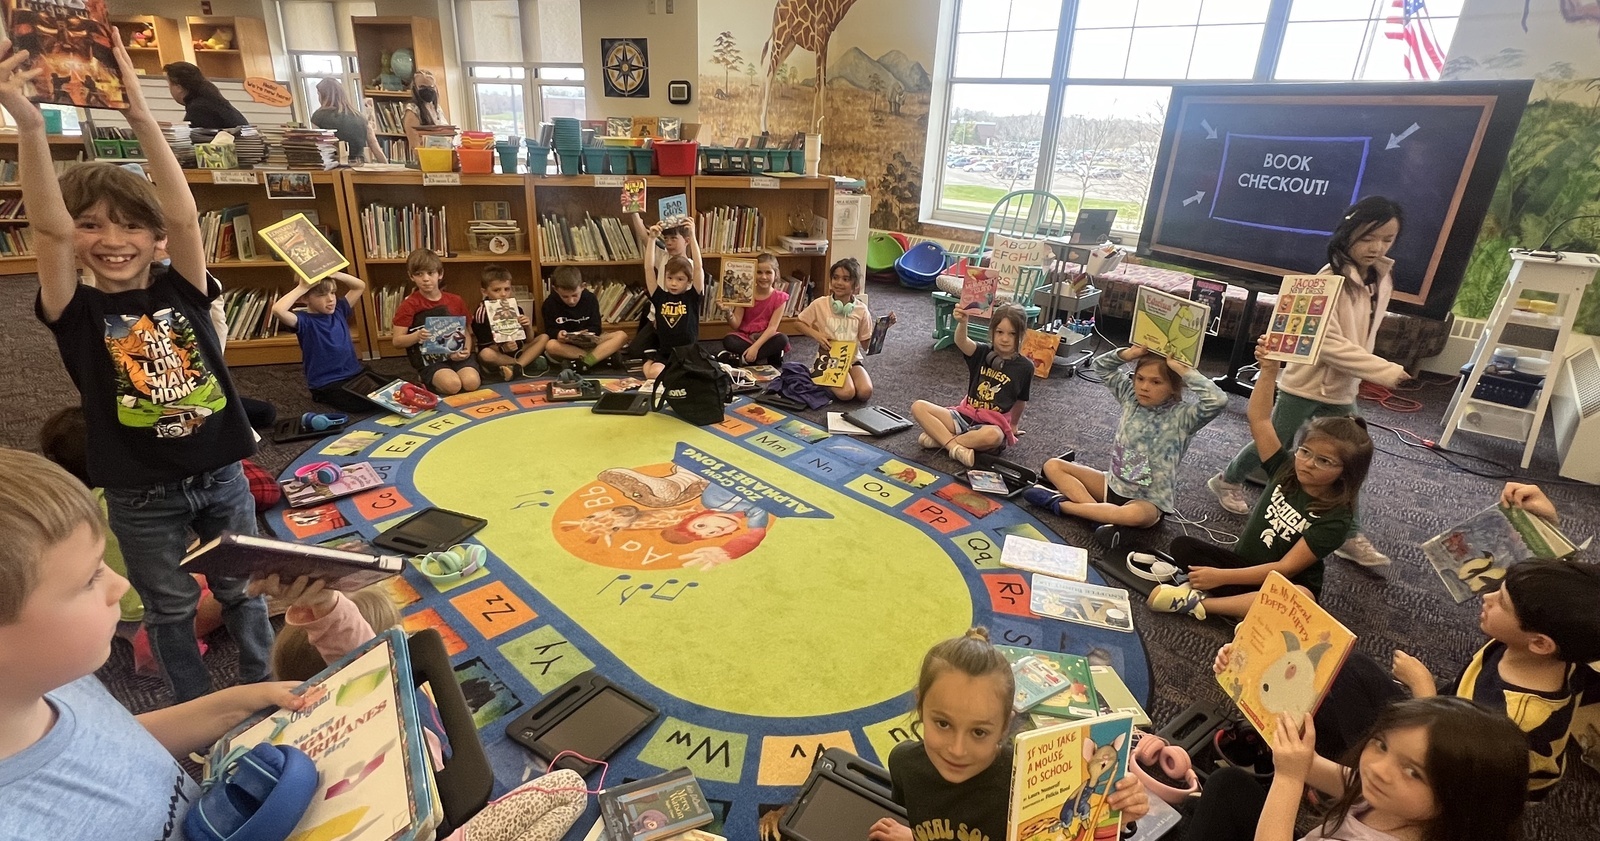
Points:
(926, 442)
(1360, 550)
(961, 453)
(1231, 496)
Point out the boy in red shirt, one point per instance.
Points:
(449, 373)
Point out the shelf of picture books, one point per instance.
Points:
(585, 220)
(16, 248)
(232, 215)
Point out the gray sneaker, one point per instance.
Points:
(1361, 551)
(1230, 495)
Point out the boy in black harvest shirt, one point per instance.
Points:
(168, 428)
(675, 294)
(572, 317)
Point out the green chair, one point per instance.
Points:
(1025, 214)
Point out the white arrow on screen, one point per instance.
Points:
(1198, 195)
(1394, 139)
(1211, 133)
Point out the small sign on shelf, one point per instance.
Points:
(763, 182)
(441, 179)
(609, 180)
(234, 176)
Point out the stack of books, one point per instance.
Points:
(273, 137)
(590, 240)
(311, 148)
(391, 233)
(178, 137)
(249, 146)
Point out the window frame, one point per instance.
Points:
(304, 99)
(530, 82)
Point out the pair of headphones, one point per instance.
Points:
(321, 422)
(842, 307)
(415, 397)
(318, 473)
(1153, 751)
(453, 564)
(261, 795)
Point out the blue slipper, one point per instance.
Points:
(1045, 498)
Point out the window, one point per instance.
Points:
(524, 62)
(1089, 131)
(323, 48)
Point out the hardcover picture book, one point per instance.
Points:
(503, 324)
(738, 286)
(1063, 777)
(245, 556)
(1056, 560)
(1115, 696)
(447, 334)
(1080, 602)
(880, 332)
(1211, 293)
(1036, 680)
(392, 397)
(1075, 698)
(1169, 325)
(1039, 347)
(655, 807)
(978, 291)
(1285, 654)
(832, 365)
(352, 478)
(1473, 556)
(70, 42)
(362, 730)
(673, 209)
(1300, 320)
(298, 242)
(987, 481)
(633, 195)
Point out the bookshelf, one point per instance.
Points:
(254, 337)
(784, 206)
(385, 271)
(168, 46)
(248, 57)
(62, 148)
(375, 36)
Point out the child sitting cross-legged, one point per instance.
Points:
(514, 358)
(1157, 425)
(1301, 517)
(572, 315)
(447, 373)
(322, 327)
(755, 338)
(998, 384)
(843, 316)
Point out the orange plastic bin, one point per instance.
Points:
(476, 161)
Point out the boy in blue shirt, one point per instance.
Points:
(323, 329)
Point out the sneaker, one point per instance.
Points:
(1154, 568)
(963, 454)
(1046, 498)
(1360, 550)
(1229, 494)
(538, 366)
(1109, 535)
(926, 442)
(1167, 598)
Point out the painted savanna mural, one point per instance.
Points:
(858, 70)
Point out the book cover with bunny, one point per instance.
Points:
(1285, 655)
(1063, 776)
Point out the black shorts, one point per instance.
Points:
(1115, 498)
(428, 371)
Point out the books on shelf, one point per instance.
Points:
(387, 299)
(389, 114)
(227, 234)
(1473, 556)
(249, 313)
(620, 302)
(390, 232)
(731, 230)
(587, 240)
(16, 241)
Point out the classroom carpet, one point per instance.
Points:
(769, 587)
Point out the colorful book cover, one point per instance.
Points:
(1211, 293)
(1286, 652)
(1056, 560)
(1473, 557)
(623, 384)
(389, 398)
(69, 41)
(1072, 700)
(673, 209)
(1080, 602)
(880, 332)
(1036, 679)
(987, 481)
(362, 730)
(352, 442)
(1115, 696)
(1301, 318)
(1039, 347)
(738, 286)
(978, 291)
(447, 334)
(304, 248)
(832, 365)
(655, 807)
(1169, 325)
(645, 127)
(763, 373)
(633, 195)
(352, 478)
(503, 324)
(1063, 777)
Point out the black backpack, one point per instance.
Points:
(694, 386)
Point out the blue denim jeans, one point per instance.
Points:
(153, 525)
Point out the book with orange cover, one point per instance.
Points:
(70, 41)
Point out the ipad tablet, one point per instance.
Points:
(589, 715)
(365, 383)
(429, 530)
(844, 796)
(622, 403)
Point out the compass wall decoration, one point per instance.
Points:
(627, 66)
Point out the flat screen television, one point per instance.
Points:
(1251, 180)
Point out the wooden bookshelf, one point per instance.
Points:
(266, 276)
(63, 147)
(249, 56)
(375, 36)
(169, 46)
(463, 268)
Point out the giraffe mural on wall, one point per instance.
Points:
(807, 24)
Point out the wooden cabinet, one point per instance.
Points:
(247, 56)
(16, 253)
(152, 57)
(376, 37)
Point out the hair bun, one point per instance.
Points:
(977, 632)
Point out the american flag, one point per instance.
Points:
(1408, 23)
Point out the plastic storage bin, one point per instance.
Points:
(538, 159)
(436, 160)
(1508, 389)
(676, 157)
(618, 160)
(643, 161)
(476, 161)
(920, 266)
(571, 162)
(594, 160)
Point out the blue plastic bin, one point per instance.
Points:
(920, 266)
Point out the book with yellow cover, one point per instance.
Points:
(1285, 655)
(304, 247)
(1169, 325)
(832, 365)
(1062, 777)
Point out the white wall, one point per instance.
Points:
(674, 51)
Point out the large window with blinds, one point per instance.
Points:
(523, 61)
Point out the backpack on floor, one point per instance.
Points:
(693, 386)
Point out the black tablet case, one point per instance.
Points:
(841, 799)
(386, 540)
(291, 429)
(877, 420)
(530, 728)
(622, 403)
